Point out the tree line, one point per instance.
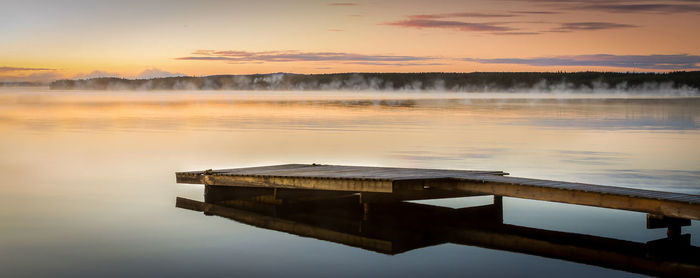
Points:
(475, 81)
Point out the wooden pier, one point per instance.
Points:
(382, 183)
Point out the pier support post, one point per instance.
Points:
(675, 241)
(498, 204)
(673, 224)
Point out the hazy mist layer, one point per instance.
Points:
(675, 83)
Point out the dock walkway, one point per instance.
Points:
(427, 183)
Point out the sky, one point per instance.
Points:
(54, 39)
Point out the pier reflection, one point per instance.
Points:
(391, 227)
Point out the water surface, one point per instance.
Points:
(89, 189)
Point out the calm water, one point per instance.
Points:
(89, 188)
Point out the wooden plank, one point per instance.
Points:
(300, 183)
(402, 180)
(602, 189)
(337, 171)
(664, 203)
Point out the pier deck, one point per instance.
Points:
(429, 183)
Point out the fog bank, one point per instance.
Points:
(675, 83)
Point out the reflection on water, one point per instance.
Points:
(88, 188)
(164, 112)
(391, 227)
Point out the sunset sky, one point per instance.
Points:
(47, 40)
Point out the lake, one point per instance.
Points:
(89, 186)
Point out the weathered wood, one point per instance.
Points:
(421, 182)
(317, 171)
(661, 203)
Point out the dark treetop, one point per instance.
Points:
(475, 81)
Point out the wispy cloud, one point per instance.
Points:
(653, 62)
(20, 74)
(499, 28)
(515, 33)
(343, 4)
(627, 6)
(295, 56)
(452, 21)
(608, 1)
(38, 76)
(533, 12)
(9, 69)
(452, 24)
(648, 8)
(456, 15)
(396, 64)
(589, 26)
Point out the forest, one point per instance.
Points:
(438, 81)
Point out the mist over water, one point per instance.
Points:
(90, 190)
(672, 84)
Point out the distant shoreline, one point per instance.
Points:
(23, 84)
(437, 81)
